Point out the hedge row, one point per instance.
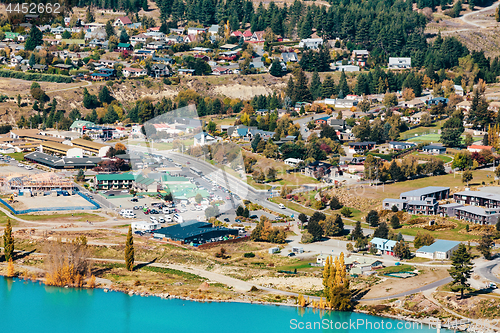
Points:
(36, 76)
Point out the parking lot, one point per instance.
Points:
(13, 167)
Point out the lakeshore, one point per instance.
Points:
(119, 312)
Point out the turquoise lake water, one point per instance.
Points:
(31, 307)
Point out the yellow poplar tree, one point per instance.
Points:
(10, 268)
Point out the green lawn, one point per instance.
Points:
(444, 158)
(452, 234)
(434, 137)
(397, 269)
(17, 156)
(299, 265)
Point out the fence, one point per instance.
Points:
(50, 209)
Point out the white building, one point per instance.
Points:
(311, 43)
(440, 249)
(145, 226)
(399, 63)
(293, 161)
(203, 138)
(133, 72)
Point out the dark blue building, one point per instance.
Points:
(195, 232)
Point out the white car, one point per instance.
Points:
(282, 206)
(20, 165)
(161, 220)
(152, 219)
(168, 218)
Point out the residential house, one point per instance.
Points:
(385, 246)
(321, 170)
(214, 29)
(362, 265)
(348, 68)
(434, 149)
(360, 147)
(399, 63)
(416, 118)
(178, 31)
(159, 70)
(401, 145)
(40, 68)
(359, 57)
(337, 124)
(414, 103)
(196, 31)
(140, 38)
(321, 121)
(478, 148)
(345, 103)
(186, 71)
(440, 249)
(257, 37)
(107, 63)
(437, 100)
(133, 72)
(124, 47)
(293, 161)
(174, 39)
(222, 71)
(203, 138)
(122, 21)
(155, 45)
(289, 57)
(459, 90)
(466, 105)
(311, 43)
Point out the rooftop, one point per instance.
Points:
(439, 246)
(425, 191)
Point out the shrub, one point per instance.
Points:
(346, 211)
(249, 255)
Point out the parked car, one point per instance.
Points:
(226, 220)
(140, 233)
(253, 216)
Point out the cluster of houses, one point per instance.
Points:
(476, 207)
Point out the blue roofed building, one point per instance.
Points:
(434, 149)
(401, 145)
(385, 246)
(440, 249)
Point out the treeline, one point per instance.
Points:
(36, 76)
(408, 168)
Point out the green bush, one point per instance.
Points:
(346, 211)
(249, 255)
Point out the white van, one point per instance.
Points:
(168, 218)
(178, 218)
(282, 206)
(129, 216)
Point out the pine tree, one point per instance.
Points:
(129, 250)
(32, 61)
(8, 242)
(357, 232)
(301, 90)
(315, 86)
(372, 218)
(461, 269)
(35, 39)
(328, 87)
(382, 231)
(110, 31)
(290, 89)
(395, 222)
(89, 17)
(276, 69)
(343, 87)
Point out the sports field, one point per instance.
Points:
(434, 137)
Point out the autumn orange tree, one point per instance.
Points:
(336, 285)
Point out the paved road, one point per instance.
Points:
(303, 124)
(486, 270)
(224, 179)
(414, 291)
